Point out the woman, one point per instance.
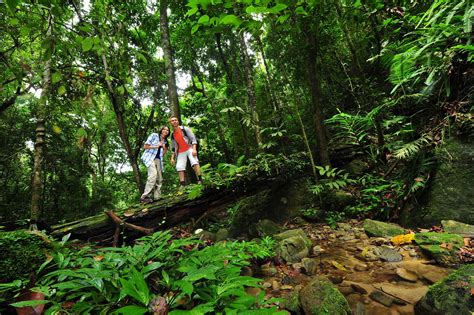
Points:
(155, 148)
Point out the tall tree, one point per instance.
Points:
(169, 63)
(40, 132)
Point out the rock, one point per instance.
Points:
(207, 236)
(346, 290)
(357, 167)
(317, 250)
(406, 293)
(268, 270)
(291, 233)
(405, 275)
(335, 279)
(293, 245)
(222, 234)
(452, 295)
(451, 196)
(455, 227)
(432, 277)
(360, 267)
(336, 200)
(275, 285)
(310, 265)
(382, 229)
(344, 226)
(358, 288)
(369, 253)
(379, 241)
(320, 296)
(292, 249)
(381, 297)
(267, 227)
(388, 254)
(441, 246)
(292, 303)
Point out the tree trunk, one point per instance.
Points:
(215, 113)
(232, 82)
(251, 91)
(121, 124)
(350, 42)
(168, 56)
(37, 180)
(315, 88)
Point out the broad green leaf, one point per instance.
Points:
(192, 11)
(13, 22)
(251, 9)
(56, 77)
(230, 19)
(131, 310)
(195, 28)
(61, 90)
(29, 303)
(278, 7)
(185, 286)
(203, 19)
(87, 43)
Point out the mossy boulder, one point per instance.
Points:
(267, 227)
(320, 297)
(450, 296)
(291, 233)
(291, 302)
(22, 253)
(337, 200)
(293, 245)
(441, 246)
(455, 227)
(382, 229)
(451, 196)
(357, 167)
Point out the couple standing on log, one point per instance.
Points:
(184, 148)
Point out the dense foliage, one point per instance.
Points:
(157, 272)
(256, 78)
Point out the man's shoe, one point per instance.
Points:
(146, 200)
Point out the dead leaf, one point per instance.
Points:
(447, 246)
(467, 241)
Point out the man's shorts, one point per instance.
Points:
(181, 160)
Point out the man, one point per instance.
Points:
(184, 147)
(155, 148)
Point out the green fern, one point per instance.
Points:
(408, 150)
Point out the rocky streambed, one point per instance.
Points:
(373, 272)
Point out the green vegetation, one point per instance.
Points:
(126, 280)
(369, 103)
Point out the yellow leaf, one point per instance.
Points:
(403, 239)
(338, 265)
(56, 129)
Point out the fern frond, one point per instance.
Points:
(410, 149)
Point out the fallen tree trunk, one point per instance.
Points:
(140, 220)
